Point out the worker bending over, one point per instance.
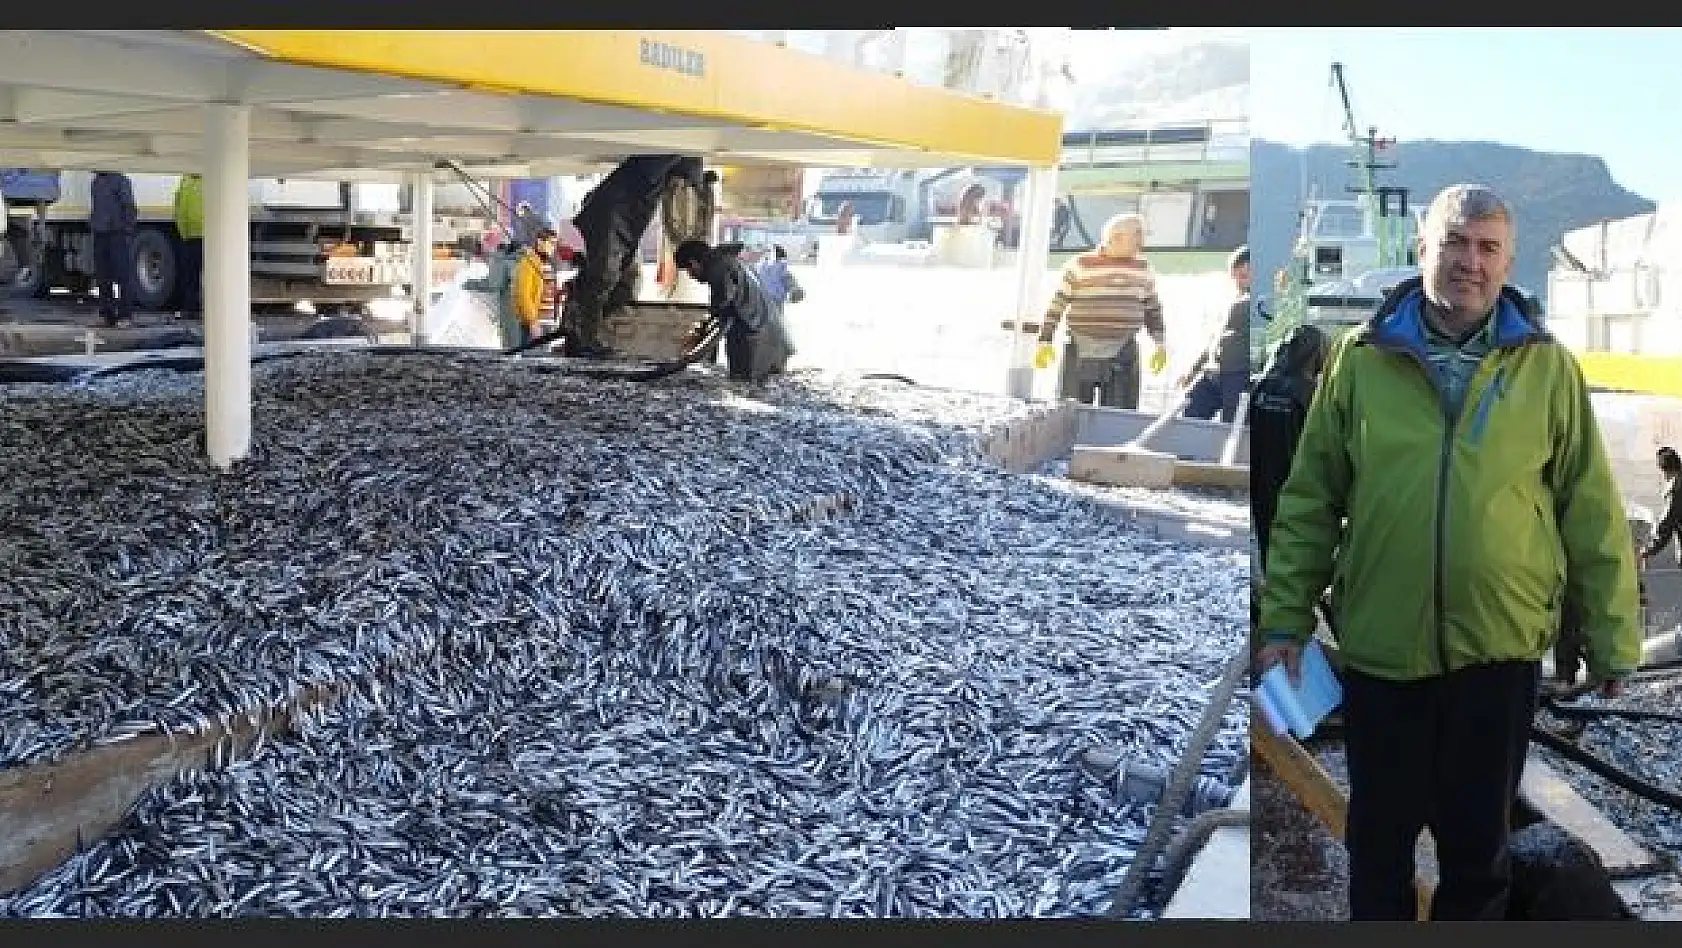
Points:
(1452, 489)
(755, 342)
(1107, 296)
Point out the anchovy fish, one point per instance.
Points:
(599, 648)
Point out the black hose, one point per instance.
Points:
(1670, 668)
(888, 377)
(1554, 706)
(660, 370)
(29, 373)
(1610, 772)
(709, 337)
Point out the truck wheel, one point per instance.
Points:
(154, 269)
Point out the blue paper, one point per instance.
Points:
(1299, 709)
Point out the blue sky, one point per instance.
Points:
(1612, 92)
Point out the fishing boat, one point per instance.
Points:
(1348, 252)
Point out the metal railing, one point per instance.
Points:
(1196, 140)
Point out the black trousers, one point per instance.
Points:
(1442, 753)
(1273, 444)
(113, 267)
(192, 276)
(1116, 379)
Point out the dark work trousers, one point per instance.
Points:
(1116, 379)
(751, 355)
(1216, 392)
(1443, 753)
(113, 267)
(1274, 428)
(192, 276)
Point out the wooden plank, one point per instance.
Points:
(1206, 474)
(1126, 466)
(1302, 775)
(1545, 791)
(49, 811)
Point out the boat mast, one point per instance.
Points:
(1374, 197)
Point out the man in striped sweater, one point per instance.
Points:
(1107, 296)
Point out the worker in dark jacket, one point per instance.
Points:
(1278, 411)
(113, 218)
(189, 223)
(1670, 465)
(1221, 374)
(753, 339)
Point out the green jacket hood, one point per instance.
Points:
(1399, 321)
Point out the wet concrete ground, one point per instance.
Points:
(1298, 871)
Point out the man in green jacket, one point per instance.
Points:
(189, 223)
(1452, 491)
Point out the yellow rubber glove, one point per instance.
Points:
(1159, 360)
(1044, 355)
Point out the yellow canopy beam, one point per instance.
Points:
(711, 75)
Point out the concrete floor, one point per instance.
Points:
(1217, 884)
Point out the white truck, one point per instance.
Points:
(998, 205)
(891, 206)
(888, 205)
(335, 245)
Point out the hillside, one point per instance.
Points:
(1550, 193)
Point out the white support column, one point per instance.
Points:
(420, 277)
(227, 283)
(1032, 256)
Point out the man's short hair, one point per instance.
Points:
(1668, 457)
(1239, 258)
(1126, 219)
(548, 233)
(1459, 203)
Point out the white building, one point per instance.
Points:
(1614, 286)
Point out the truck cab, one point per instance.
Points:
(882, 202)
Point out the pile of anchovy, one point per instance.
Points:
(605, 648)
(1641, 748)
